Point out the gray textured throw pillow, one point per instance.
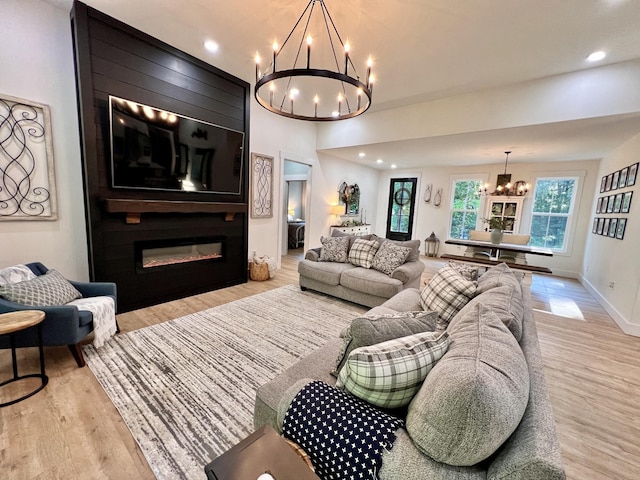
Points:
(45, 290)
(334, 249)
(389, 257)
(506, 302)
(366, 330)
(475, 397)
(497, 277)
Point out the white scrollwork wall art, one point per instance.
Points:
(27, 181)
(261, 186)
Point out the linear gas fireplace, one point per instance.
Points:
(151, 255)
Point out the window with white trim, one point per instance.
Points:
(465, 207)
(553, 204)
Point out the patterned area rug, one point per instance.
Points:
(186, 388)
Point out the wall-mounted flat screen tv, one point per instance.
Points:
(159, 150)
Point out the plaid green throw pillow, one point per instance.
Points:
(390, 373)
(447, 292)
(362, 252)
(43, 291)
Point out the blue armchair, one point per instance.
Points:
(64, 324)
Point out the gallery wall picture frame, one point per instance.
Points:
(261, 186)
(622, 226)
(603, 207)
(614, 183)
(626, 202)
(611, 203)
(594, 229)
(603, 184)
(599, 205)
(613, 227)
(605, 226)
(600, 226)
(27, 183)
(624, 173)
(633, 173)
(617, 203)
(609, 182)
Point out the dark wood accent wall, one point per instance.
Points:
(113, 58)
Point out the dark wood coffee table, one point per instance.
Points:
(264, 451)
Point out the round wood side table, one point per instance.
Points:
(13, 322)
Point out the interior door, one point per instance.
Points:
(402, 197)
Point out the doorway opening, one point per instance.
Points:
(296, 194)
(402, 197)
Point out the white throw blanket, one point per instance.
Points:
(104, 317)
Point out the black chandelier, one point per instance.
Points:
(321, 87)
(504, 185)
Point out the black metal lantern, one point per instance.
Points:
(431, 245)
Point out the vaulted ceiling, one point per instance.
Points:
(425, 50)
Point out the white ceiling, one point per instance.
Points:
(425, 50)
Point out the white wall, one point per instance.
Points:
(328, 176)
(37, 64)
(430, 218)
(602, 91)
(611, 260)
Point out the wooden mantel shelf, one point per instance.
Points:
(135, 208)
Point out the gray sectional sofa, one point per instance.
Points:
(364, 286)
(457, 427)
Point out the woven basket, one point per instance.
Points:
(258, 271)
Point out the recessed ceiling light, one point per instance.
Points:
(211, 46)
(362, 154)
(379, 160)
(596, 56)
(393, 165)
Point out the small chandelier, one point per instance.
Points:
(319, 85)
(504, 185)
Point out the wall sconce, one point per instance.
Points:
(431, 245)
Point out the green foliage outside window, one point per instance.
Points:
(552, 206)
(465, 206)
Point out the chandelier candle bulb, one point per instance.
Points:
(315, 105)
(339, 103)
(257, 66)
(369, 64)
(272, 89)
(347, 47)
(309, 41)
(275, 53)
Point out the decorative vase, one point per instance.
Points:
(496, 236)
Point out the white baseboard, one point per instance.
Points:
(626, 326)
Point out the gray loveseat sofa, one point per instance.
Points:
(530, 452)
(364, 286)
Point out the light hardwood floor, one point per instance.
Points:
(72, 430)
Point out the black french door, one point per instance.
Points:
(402, 197)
